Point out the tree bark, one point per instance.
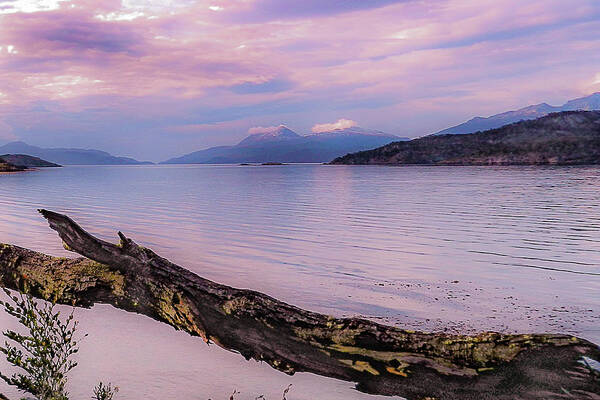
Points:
(380, 359)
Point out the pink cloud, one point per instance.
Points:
(339, 124)
(393, 65)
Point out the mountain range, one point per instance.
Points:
(565, 138)
(281, 144)
(477, 124)
(68, 156)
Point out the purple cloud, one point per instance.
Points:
(267, 10)
(271, 86)
(201, 73)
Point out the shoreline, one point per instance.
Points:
(26, 169)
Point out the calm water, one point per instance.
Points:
(435, 248)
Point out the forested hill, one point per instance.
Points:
(23, 160)
(565, 138)
(8, 167)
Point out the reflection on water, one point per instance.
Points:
(455, 248)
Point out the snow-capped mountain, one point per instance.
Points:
(281, 144)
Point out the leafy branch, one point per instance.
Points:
(43, 351)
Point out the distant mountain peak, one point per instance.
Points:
(68, 156)
(587, 103)
(538, 107)
(281, 144)
(272, 133)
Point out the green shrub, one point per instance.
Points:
(43, 353)
(104, 392)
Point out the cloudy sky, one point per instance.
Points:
(155, 79)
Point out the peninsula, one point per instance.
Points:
(23, 160)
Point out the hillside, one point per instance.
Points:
(23, 160)
(68, 156)
(283, 145)
(566, 138)
(8, 167)
(588, 103)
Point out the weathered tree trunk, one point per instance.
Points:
(381, 359)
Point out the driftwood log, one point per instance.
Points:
(380, 359)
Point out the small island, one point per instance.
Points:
(565, 138)
(261, 164)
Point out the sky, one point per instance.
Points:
(161, 78)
